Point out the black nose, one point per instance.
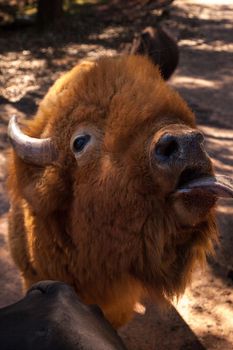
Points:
(173, 147)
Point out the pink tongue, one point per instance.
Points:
(220, 186)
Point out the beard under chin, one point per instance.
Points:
(166, 273)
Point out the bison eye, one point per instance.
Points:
(80, 142)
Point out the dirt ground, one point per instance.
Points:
(29, 63)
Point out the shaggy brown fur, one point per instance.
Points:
(104, 222)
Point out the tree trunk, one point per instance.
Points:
(49, 12)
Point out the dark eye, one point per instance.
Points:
(80, 142)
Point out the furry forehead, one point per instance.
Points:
(120, 93)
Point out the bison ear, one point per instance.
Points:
(160, 47)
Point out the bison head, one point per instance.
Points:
(115, 176)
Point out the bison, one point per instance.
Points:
(111, 188)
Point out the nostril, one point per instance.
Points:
(166, 147)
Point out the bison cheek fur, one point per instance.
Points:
(103, 233)
(141, 236)
(143, 242)
(135, 248)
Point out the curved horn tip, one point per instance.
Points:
(32, 150)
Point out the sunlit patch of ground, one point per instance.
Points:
(209, 2)
(207, 307)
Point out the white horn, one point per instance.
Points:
(30, 149)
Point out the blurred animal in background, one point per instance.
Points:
(160, 47)
(111, 188)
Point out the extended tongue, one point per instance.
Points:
(220, 186)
